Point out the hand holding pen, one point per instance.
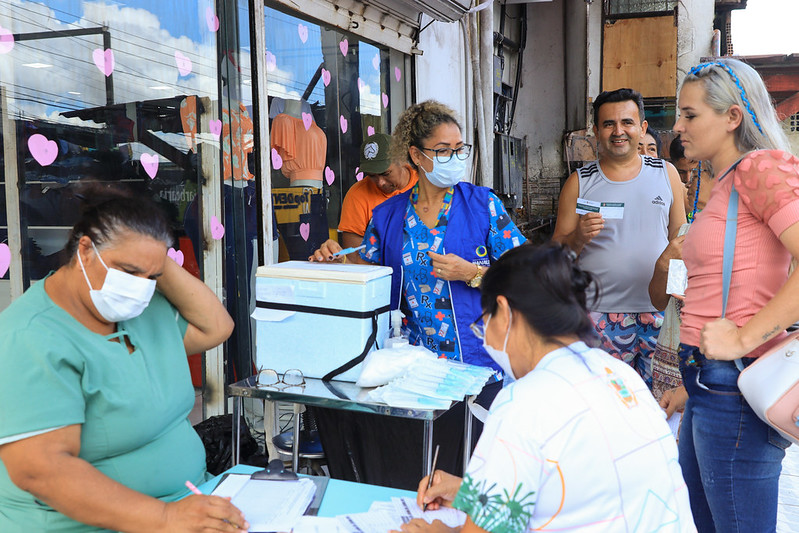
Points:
(202, 513)
(437, 489)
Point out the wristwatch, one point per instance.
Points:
(477, 279)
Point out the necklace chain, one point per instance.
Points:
(696, 194)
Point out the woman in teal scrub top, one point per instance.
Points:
(95, 388)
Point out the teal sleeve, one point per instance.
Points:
(36, 369)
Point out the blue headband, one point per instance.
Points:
(694, 71)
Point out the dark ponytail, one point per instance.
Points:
(108, 212)
(546, 286)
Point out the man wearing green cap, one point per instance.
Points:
(384, 179)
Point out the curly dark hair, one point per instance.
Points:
(417, 124)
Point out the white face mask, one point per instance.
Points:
(445, 175)
(500, 357)
(123, 296)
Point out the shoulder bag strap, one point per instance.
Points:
(730, 233)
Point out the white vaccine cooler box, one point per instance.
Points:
(316, 317)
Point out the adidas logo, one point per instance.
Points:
(659, 201)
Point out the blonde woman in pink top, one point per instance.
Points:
(731, 460)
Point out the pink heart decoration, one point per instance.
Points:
(150, 164)
(344, 46)
(305, 231)
(215, 126)
(184, 64)
(6, 40)
(302, 30)
(385, 100)
(43, 150)
(397, 73)
(326, 77)
(277, 161)
(359, 176)
(343, 123)
(217, 229)
(330, 176)
(361, 84)
(175, 255)
(376, 62)
(104, 59)
(5, 258)
(370, 131)
(764, 165)
(745, 165)
(211, 19)
(271, 61)
(307, 120)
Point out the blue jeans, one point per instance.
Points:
(730, 459)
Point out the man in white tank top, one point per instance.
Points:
(618, 214)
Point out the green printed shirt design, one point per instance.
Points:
(492, 510)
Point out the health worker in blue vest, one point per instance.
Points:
(440, 237)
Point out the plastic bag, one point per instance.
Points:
(381, 366)
(217, 436)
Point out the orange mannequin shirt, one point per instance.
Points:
(356, 211)
(303, 151)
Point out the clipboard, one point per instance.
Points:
(275, 471)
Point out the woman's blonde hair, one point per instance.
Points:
(729, 82)
(417, 124)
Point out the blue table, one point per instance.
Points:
(341, 497)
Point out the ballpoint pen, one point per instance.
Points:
(432, 472)
(347, 251)
(191, 487)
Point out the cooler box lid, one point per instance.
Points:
(335, 272)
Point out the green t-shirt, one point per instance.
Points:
(133, 407)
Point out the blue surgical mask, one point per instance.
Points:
(500, 357)
(445, 175)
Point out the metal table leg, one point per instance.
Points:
(427, 447)
(295, 444)
(467, 434)
(237, 405)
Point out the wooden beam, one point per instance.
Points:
(776, 83)
(788, 107)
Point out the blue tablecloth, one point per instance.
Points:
(341, 497)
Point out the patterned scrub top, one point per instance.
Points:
(577, 444)
(426, 297)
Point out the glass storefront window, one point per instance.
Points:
(104, 93)
(327, 91)
(151, 95)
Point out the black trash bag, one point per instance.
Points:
(216, 434)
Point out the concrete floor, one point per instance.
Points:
(788, 511)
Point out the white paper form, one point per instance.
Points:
(282, 294)
(408, 507)
(318, 524)
(268, 505)
(608, 210)
(370, 522)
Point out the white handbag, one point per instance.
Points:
(770, 385)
